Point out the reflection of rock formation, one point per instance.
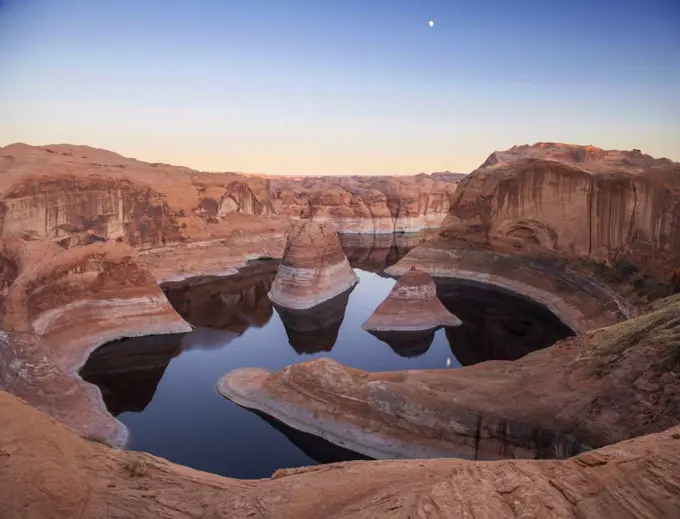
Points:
(128, 371)
(314, 329)
(233, 303)
(207, 339)
(314, 268)
(496, 325)
(375, 253)
(411, 305)
(407, 344)
(320, 450)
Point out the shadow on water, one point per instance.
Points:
(163, 387)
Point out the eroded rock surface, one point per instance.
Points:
(412, 305)
(50, 473)
(609, 385)
(75, 195)
(608, 206)
(59, 307)
(314, 268)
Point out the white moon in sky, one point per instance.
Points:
(431, 23)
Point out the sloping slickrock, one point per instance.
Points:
(47, 472)
(411, 305)
(61, 305)
(609, 385)
(314, 268)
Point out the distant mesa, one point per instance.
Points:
(315, 329)
(411, 305)
(406, 344)
(314, 268)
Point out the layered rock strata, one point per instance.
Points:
(314, 268)
(412, 305)
(75, 195)
(60, 306)
(47, 472)
(609, 385)
(619, 208)
(581, 301)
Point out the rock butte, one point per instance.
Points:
(591, 234)
(411, 305)
(314, 268)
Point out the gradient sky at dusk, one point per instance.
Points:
(339, 86)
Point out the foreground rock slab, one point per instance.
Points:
(411, 305)
(314, 268)
(48, 472)
(609, 385)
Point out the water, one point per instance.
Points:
(163, 388)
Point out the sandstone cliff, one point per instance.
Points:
(314, 268)
(61, 304)
(78, 195)
(607, 206)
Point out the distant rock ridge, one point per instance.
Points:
(314, 268)
(412, 305)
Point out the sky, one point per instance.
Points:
(305, 87)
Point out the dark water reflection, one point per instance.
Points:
(163, 388)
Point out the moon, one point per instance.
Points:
(431, 23)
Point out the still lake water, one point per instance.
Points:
(163, 387)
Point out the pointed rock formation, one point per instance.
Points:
(314, 268)
(411, 305)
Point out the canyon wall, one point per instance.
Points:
(75, 195)
(606, 211)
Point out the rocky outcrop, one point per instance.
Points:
(315, 329)
(49, 473)
(313, 270)
(609, 385)
(590, 158)
(612, 207)
(60, 306)
(411, 305)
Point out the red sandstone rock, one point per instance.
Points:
(609, 207)
(314, 268)
(47, 472)
(411, 305)
(59, 306)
